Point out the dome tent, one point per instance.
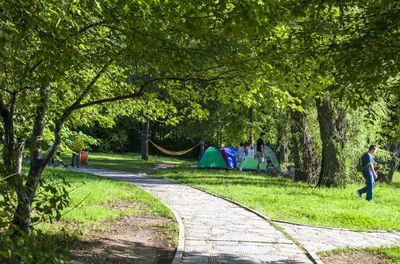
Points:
(229, 155)
(212, 158)
(251, 164)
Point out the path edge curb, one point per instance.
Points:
(311, 255)
(180, 249)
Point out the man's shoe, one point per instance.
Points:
(371, 201)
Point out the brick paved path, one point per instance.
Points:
(316, 239)
(217, 231)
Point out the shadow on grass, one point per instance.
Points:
(37, 247)
(216, 178)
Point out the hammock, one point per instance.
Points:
(171, 152)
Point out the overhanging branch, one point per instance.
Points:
(91, 84)
(76, 106)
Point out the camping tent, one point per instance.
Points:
(212, 158)
(251, 164)
(225, 158)
(270, 155)
(229, 155)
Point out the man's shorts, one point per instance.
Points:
(259, 157)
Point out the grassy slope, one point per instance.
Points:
(95, 200)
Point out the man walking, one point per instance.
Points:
(260, 151)
(368, 172)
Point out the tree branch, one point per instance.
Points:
(40, 119)
(91, 84)
(108, 100)
(76, 106)
(3, 108)
(70, 110)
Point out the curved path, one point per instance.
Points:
(316, 239)
(217, 231)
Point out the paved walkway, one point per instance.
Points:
(217, 231)
(316, 239)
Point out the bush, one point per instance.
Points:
(36, 247)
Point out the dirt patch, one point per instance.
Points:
(129, 240)
(354, 257)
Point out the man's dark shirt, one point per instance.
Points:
(260, 142)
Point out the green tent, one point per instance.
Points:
(212, 158)
(251, 164)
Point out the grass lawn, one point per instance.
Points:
(129, 162)
(95, 203)
(95, 200)
(283, 199)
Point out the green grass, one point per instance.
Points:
(282, 199)
(130, 161)
(390, 254)
(95, 203)
(95, 200)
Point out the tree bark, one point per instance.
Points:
(26, 194)
(303, 149)
(394, 162)
(251, 118)
(10, 159)
(283, 140)
(145, 140)
(333, 128)
(202, 147)
(22, 216)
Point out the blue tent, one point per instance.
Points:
(230, 153)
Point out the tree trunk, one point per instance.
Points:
(283, 141)
(298, 173)
(251, 118)
(303, 149)
(394, 162)
(393, 139)
(201, 149)
(333, 128)
(22, 215)
(10, 158)
(145, 140)
(26, 193)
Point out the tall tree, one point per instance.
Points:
(333, 127)
(59, 59)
